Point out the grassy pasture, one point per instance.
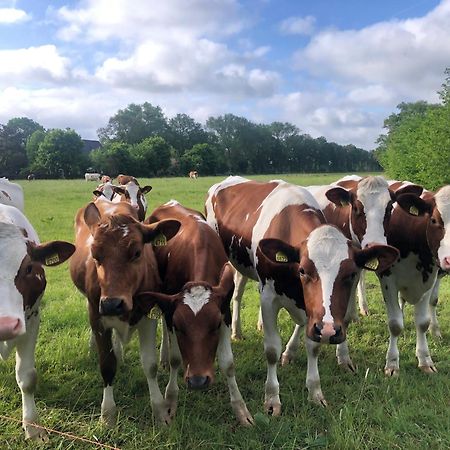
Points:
(366, 410)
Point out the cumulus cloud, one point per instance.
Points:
(13, 15)
(298, 25)
(32, 65)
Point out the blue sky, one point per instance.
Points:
(334, 68)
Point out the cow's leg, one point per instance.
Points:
(165, 343)
(226, 363)
(422, 319)
(259, 325)
(395, 325)
(361, 293)
(434, 324)
(147, 348)
(171, 394)
(272, 348)
(26, 377)
(312, 375)
(292, 346)
(239, 285)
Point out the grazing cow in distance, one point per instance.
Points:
(197, 285)
(22, 284)
(11, 194)
(31, 177)
(420, 229)
(276, 233)
(92, 176)
(193, 174)
(113, 263)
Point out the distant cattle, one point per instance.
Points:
(22, 284)
(11, 194)
(113, 263)
(197, 285)
(31, 177)
(276, 233)
(193, 174)
(92, 176)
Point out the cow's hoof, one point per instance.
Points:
(36, 434)
(348, 365)
(286, 359)
(109, 419)
(364, 312)
(242, 414)
(391, 371)
(237, 337)
(436, 332)
(428, 369)
(272, 408)
(318, 399)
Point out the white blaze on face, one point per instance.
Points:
(327, 248)
(442, 199)
(373, 193)
(12, 252)
(133, 191)
(196, 298)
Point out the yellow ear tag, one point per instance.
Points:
(155, 313)
(160, 240)
(281, 257)
(372, 264)
(52, 260)
(344, 203)
(414, 211)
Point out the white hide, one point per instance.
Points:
(11, 194)
(327, 248)
(196, 298)
(442, 199)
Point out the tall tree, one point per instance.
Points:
(112, 159)
(151, 156)
(134, 123)
(24, 127)
(184, 132)
(12, 154)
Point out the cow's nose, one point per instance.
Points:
(10, 327)
(198, 382)
(110, 306)
(328, 332)
(446, 263)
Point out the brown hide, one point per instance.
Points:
(194, 261)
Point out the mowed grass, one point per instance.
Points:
(366, 410)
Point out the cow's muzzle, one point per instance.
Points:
(111, 306)
(10, 327)
(198, 382)
(327, 333)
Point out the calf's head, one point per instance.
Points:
(121, 253)
(22, 277)
(132, 193)
(370, 206)
(197, 315)
(326, 266)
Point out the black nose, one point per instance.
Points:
(317, 333)
(111, 306)
(197, 382)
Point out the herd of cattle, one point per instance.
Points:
(306, 246)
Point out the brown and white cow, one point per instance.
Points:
(422, 236)
(197, 285)
(193, 174)
(114, 261)
(11, 194)
(22, 284)
(275, 233)
(131, 192)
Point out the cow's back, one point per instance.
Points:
(11, 194)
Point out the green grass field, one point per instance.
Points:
(366, 410)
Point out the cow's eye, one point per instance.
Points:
(433, 221)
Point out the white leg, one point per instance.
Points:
(362, 297)
(292, 346)
(422, 319)
(272, 347)
(26, 377)
(171, 394)
(343, 357)
(239, 285)
(312, 375)
(259, 325)
(395, 324)
(164, 352)
(434, 325)
(147, 348)
(226, 364)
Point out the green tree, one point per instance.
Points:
(184, 132)
(207, 159)
(24, 127)
(59, 155)
(12, 154)
(134, 123)
(151, 156)
(113, 158)
(32, 145)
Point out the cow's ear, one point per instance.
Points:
(52, 253)
(152, 303)
(414, 189)
(414, 205)
(377, 258)
(119, 190)
(280, 254)
(91, 216)
(97, 193)
(340, 196)
(225, 287)
(146, 189)
(159, 233)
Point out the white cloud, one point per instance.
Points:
(33, 65)
(13, 15)
(298, 25)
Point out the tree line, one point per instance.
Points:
(141, 140)
(417, 144)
